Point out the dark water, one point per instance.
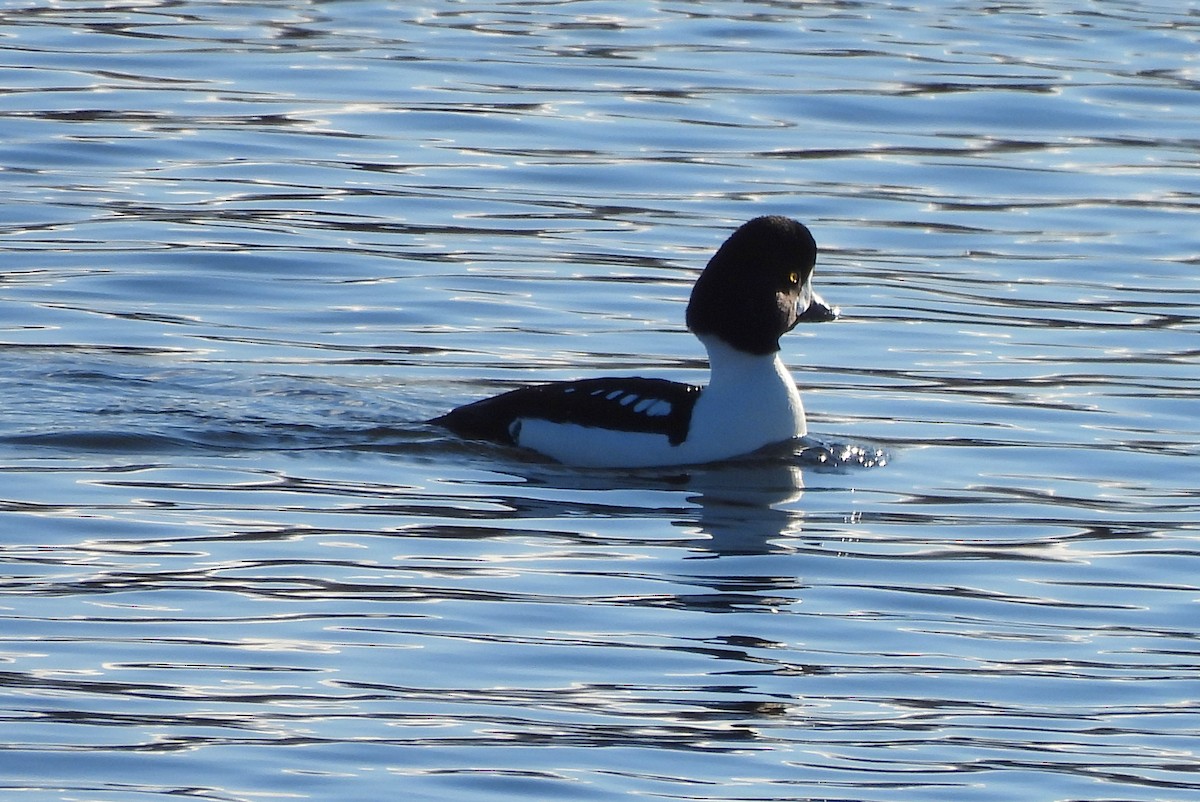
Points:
(247, 248)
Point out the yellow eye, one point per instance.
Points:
(793, 277)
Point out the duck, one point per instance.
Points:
(756, 287)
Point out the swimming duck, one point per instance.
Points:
(756, 288)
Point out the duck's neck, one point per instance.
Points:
(758, 385)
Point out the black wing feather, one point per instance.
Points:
(612, 403)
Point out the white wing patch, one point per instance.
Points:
(650, 407)
(653, 407)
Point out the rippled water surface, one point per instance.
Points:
(248, 248)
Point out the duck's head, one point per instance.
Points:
(758, 286)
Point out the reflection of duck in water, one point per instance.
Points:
(736, 507)
(755, 288)
(746, 507)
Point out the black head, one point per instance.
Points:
(756, 286)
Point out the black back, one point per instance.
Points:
(609, 403)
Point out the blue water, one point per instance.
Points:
(249, 247)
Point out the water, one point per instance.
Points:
(248, 248)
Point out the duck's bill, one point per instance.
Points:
(818, 311)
